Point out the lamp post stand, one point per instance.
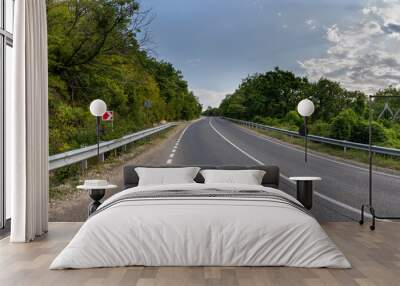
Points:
(97, 109)
(305, 108)
(306, 139)
(98, 137)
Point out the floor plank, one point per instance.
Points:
(375, 257)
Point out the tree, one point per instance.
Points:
(343, 124)
(271, 98)
(95, 52)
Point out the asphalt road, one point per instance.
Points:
(344, 187)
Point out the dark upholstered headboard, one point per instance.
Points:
(271, 177)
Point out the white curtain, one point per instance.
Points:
(27, 126)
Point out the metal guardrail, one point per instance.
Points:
(342, 143)
(83, 154)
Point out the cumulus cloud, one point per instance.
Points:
(366, 55)
(209, 97)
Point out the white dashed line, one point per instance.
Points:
(169, 161)
(322, 196)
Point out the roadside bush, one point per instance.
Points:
(378, 133)
(320, 128)
(343, 125)
(392, 138)
(258, 119)
(59, 175)
(293, 118)
(271, 121)
(360, 132)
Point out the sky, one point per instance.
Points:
(217, 43)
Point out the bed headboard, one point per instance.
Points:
(270, 179)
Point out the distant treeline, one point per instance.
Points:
(271, 98)
(96, 51)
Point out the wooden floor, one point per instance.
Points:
(375, 257)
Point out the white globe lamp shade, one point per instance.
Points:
(305, 107)
(98, 107)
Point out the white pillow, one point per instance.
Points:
(248, 177)
(166, 176)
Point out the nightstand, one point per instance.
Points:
(96, 189)
(305, 190)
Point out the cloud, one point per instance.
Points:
(364, 56)
(192, 61)
(279, 14)
(311, 24)
(209, 97)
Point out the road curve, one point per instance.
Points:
(215, 141)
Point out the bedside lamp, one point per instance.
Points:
(305, 108)
(98, 108)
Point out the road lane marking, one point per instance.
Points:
(169, 161)
(263, 137)
(238, 148)
(322, 196)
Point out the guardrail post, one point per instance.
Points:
(344, 149)
(84, 165)
(102, 157)
(124, 148)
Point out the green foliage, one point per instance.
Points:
(320, 128)
(271, 98)
(360, 132)
(379, 103)
(210, 111)
(343, 124)
(272, 94)
(258, 119)
(393, 136)
(94, 53)
(293, 118)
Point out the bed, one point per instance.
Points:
(201, 224)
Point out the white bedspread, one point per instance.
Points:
(200, 231)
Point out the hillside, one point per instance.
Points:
(96, 51)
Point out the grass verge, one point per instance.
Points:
(64, 180)
(387, 162)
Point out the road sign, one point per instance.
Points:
(147, 103)
(108, 116)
